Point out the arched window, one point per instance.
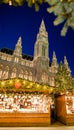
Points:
(1, 70)
(52, 81)
(13, 75)
(5, 73)
(44, 77)
(21, 74)
(30, 75)
(26, 74)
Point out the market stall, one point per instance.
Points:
(24, 103)
(64, 108)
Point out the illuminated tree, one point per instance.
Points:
(63, 80)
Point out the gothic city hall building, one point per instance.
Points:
(14, 64)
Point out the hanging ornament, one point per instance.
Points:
(17, 85)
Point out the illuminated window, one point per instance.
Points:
(5, 73)
(52, 81)
(13, 75)
(3, 57)
(21, 74)
(30, 76)
(1, 68)
(26, 74)
(8, 58)
(44, 77)
(16, 59)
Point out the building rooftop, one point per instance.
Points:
(10, 52)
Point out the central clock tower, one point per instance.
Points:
(41, 59)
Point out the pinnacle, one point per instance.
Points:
(65, 60)
(19, 41)
(42, 26)
(54, 55)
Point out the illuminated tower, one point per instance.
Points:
(41, 59)
(54, 64)
(17, 54)
(66, 65)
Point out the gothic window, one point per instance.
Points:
(16, 59)
(1, 70)
(27, 63)
(30, 76)
(44, 77)
(5, 73)
(52, 81)
(8, 58)
(13, 75)
(21, 74)
(3, 57)
(26, 74)
(43, 50)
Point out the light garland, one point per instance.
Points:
(22, 85)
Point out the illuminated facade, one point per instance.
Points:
(38, 68)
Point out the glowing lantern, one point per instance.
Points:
(17, 85)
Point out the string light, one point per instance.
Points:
(10, 2)
(33, 1)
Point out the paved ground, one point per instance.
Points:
(38, 128)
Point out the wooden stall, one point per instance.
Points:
(24, 119)
(24, 103)
(64, 109)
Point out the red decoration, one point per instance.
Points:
(17, 85)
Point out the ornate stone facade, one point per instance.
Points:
(15, 64)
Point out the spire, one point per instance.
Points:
(65, 61)
(42, 26)
(54, 60)
(18, 48)
(66, 65)
(19, 42)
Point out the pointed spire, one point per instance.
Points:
(18, 48)
(66, 64)
(54, 60)
(42, 26)
(19, 42)
(54, 56)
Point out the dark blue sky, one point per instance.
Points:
(25, 22)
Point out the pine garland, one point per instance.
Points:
(64, 10)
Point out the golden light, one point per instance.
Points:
(33, 1)
(38, 86)
(61, 93)
(51, 89)
(11, 82)
(10, 2)
(45, 87)
(31, 84)
(2, 83)
(17, 80)
(24, 82)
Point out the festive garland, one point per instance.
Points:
(22, 85)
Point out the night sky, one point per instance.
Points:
(25, 22)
